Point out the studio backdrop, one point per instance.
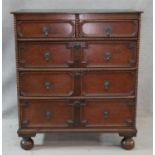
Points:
(146, 45)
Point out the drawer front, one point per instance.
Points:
(110, 54)
(44, 54)
(116, 28)
(46, 84)
(108, 113)
(45, 113)
(40, 29)
(108, 83)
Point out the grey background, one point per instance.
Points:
(83, 144)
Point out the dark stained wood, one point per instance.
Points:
(41, 54)
(78, 39)
(29, 29)
(46, 84)
(127, 143)
(110, 54)
(32, 132)
(120, 113)
(27, 143)
(119, 83)
(117, 28)
(108, 113)
(108, 16)
(45, 17)
(77, 71)
(36, 114)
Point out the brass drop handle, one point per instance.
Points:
(46, 30)
(106, 114)
(108, 30)
(47, 84)
(106, 84)
(48, 115)
(47, 56)
(107, 55)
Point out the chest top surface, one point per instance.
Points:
(75, 11)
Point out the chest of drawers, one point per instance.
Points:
(77, 72)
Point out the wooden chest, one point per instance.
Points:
(77, 72)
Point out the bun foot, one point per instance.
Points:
(27, 143)
(127, 143)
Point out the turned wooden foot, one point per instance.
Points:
(26, 143)
(127, 143)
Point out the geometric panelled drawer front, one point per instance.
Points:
(77, 71)
(110, 54)
(98, 83)
(47, 83)
(38, 29)
(45, 54)
(34, 114)
(109, 28)
(108, 113)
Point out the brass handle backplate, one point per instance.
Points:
(47, 56)
(47, 84)
(46, 30)
(108, 30)
(106, 114)
(107, 56)
(106, 84)
(48, 115)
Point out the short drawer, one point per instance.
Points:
(45, 113)
(45, 29)
(109, 28)
(108, 113)
(110, 54)
(108, 83)
(44, 54)
(46, 83)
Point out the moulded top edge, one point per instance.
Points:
(78, 11)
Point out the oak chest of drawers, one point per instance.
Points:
(77, 72)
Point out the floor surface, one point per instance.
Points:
(77, 143)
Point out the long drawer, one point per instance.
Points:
(77, 54)
(77, 113)
(87, 83)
